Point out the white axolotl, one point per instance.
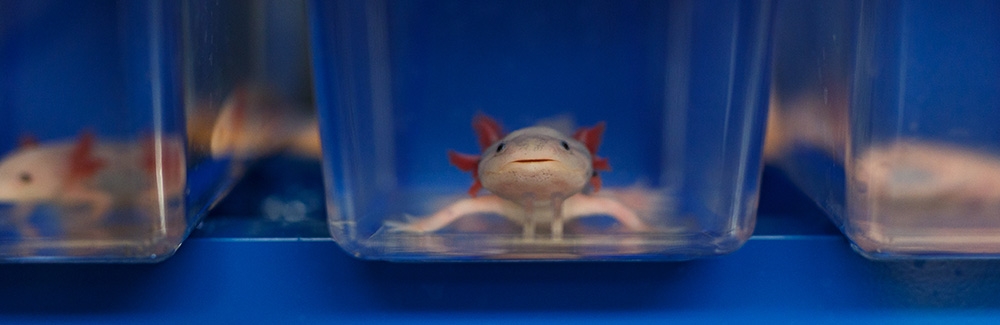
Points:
(535, 174)
(88, 178)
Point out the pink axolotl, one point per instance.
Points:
(254, 122)
(88, 177)
(535, 174)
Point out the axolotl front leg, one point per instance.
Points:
(560, 209)
(582, 205)
(479, 205)
(576, 206)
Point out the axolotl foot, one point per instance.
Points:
(444, 217)
(411, 224)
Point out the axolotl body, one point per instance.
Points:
(89, 177)
(534, 174)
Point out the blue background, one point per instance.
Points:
(526, 61)
(930, 70)
(67, 66)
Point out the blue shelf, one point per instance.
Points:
(785, 278)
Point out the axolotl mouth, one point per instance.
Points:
(528, 161)
(535, 164)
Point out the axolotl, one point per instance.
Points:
(88, 177)
(535, 174)
(255, 121)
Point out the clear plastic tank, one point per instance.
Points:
(411, 93)
(257, 52)
(906, 159)
(121, 123)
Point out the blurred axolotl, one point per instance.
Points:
(255, 121)
(86, 178)
(535, 174)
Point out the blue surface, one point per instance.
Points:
(771, 278)
(279, 196)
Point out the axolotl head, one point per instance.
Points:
(535, 163)
(32, 174)
(532, 164)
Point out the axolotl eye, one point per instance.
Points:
(500, 147)
(565, 145)
(25, 178)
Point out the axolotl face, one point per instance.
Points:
(30, 175)
(535, 163)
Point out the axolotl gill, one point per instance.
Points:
(534, 174)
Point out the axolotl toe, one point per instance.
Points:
(535, 174)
